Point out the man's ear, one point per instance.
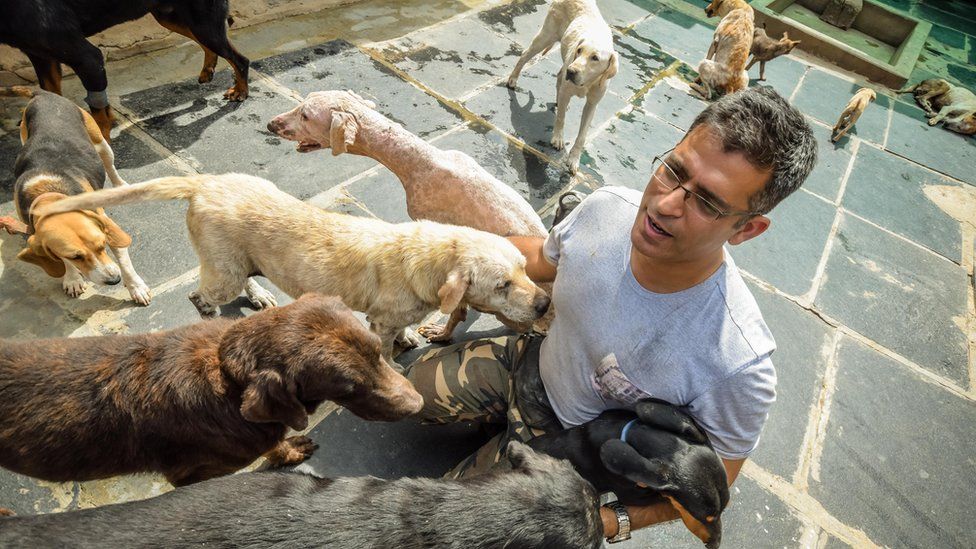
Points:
(342, 133)
(621, 458)
(36, 253)
(114, 235)
(612, 68)
(755, 226)
(269, 398)
(453, 290)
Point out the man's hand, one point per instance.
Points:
(536, 265)
(659, 512)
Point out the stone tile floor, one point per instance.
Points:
(865, 277)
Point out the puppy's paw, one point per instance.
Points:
(933, 121)
(435, 333)
(74, 287)
(140, 293)
(572, 162)
(261, 298)
(292, 451)
(205, 309)
(408, 339)
(512, 82)
(235, 94)
(206, 75)
(558, 142)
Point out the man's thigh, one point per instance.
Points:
(466, 381)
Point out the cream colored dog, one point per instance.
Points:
(943, 101)
(855, 107)
(589, 61)
(242, 226)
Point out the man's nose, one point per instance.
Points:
(672, 203)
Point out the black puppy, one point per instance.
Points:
(656, 454)
(543, 503)
(52, 32)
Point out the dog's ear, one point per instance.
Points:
(621, 458)
(452, 292)
(114, 235)
(524, 458)
(37, 254)
(665, 417)
(612, 67)
(269, 398)
(342, 133)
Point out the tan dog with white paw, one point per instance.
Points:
(855, 107)
(64, 154)
(730, 47)
(589, 61)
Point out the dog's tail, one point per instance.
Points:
(163, 188)
(16, 91)
(909, 89)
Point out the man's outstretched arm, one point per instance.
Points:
(659, 512)
(536, 265)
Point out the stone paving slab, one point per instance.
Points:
(520, 20)
(824, 96)
(833, 160)
(788, 253)
(891, 463)
(873, 278)
(937, 148)
(678, 34)
(674, 105)
(623, 153)
(783, 74)
(905, 210)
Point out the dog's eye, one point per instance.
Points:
(76, 257)
(579, 50)
(304, 116)
(595, 57)
(504, 285)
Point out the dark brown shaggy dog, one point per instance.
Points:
(191, 403)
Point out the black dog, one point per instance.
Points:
(656, 454)
(52, 32)
(543, 503)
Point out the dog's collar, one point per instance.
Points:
(623, 432)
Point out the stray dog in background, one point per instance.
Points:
(766, 49)
(656, 453)
(944, 101)
(52, 32)
(443, 186)
(855, 107)
(191, 403)
(242, 226)
(541, 504)
(730, 46)
(589, 61)
(65, 154)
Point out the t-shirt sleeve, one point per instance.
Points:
(734, 410)
(552, 247)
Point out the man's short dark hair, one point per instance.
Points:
(771, 133)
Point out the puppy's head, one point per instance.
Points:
(787, 45)
(79, 238)
(589, 64)
(325, 119)
(289, 359)
(667, 452)
(720, 8)
(489, 274)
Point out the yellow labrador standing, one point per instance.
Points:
(589, 61)
(242, 226)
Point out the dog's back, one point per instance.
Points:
(542, 504)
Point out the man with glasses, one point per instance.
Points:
(648, 300)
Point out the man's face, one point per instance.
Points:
(667, 230)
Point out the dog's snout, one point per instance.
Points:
(274, 126)
(541, 304)
(113, 280)
(571, 74)
(409, 402)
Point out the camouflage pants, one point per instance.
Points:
(487, 380)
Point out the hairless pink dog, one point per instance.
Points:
(443, 186)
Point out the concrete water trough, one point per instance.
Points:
(882, 45)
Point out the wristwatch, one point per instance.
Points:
(609, 500)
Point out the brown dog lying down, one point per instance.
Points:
(194, 402)
(541, 504)
(855, 107)
(395, 273)
(442, 186)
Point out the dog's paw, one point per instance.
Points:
(435, 333)
(140, 293)
(933, 121)
(74, 287)
(206, 75)
(234, 94)
(261, 298)
(291, 451)
(205, 309)
(558, 142)
(512, 82)
(408, 339)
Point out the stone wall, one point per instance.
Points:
(145, 34)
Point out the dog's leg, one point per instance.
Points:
(73, 282)
(563, 95)
(212, 34)
(388, 335)
(48, 73)
(712, 48)
(259, 297)
(592, 99)
(89, 64)
(209, 57)
(408, 339)
(291, 451)
(103, 149)
(133, 282)
(437, 333)
(948, 110)
(219, 284)
(751, 63)
(546, 38)
(762, 71)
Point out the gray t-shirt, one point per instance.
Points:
(613, 342)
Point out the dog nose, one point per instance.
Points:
(114, 280)
(541, 304)
(571, 75)
(273, 126)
